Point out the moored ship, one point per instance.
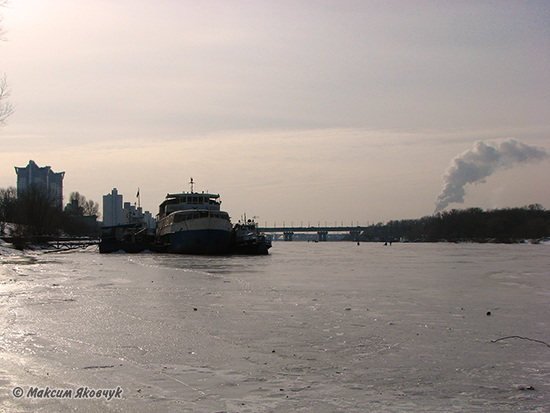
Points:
(249, 240)
(132, 238)
(193, 223)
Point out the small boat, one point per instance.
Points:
(249, 240)
(192, 223)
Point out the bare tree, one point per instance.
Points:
(78, 205)
(81, 216)
(8, 207)
(37, 213)
(3, 3)
(6, 108)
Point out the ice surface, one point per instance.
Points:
(312, 327)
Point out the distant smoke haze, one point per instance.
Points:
(486, 158)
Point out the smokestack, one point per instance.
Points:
(474, 165)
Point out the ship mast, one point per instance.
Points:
(191, 184)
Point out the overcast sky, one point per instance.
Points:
(294, 111)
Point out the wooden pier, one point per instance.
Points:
(56, 243)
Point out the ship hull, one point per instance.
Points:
(256, 248)
(199, 241)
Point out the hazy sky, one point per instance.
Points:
(294, 111)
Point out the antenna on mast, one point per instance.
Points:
(191, 184)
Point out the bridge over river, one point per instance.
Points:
(322, 232)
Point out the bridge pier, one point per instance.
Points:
(322, 235)
(355, 235)
(288, 235)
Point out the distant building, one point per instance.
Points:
(133, 214)
(113, 213)
(33, 175)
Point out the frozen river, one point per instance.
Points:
(313, 327)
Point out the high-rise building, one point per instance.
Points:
(113, 214)
(34, 176)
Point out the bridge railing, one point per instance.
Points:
(322, 232)
(312, 229)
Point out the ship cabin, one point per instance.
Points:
(189, 201)
(180, 216)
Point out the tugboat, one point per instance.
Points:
(248, 240)
(192, 223)
(133, 236)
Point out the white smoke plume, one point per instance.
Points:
(474, 165)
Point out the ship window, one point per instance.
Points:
(194, 200)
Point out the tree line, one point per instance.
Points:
(507, 225)
(34, 213)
